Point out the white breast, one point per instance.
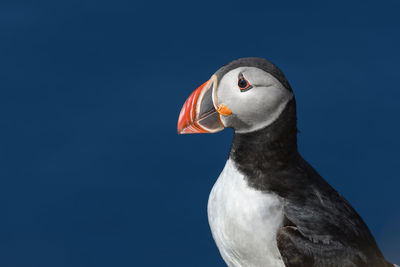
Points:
(244, 221)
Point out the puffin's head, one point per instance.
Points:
(247, 94)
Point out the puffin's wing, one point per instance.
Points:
(311, 237)
(321, 228)
(297, 250)
(287, 239)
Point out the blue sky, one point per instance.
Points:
(92, 171)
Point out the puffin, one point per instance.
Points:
(269, 207)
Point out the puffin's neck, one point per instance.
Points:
(272, 148)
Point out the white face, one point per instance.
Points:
(256, 107)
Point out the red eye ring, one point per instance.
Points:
(243, 84)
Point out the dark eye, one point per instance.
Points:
(243, 84)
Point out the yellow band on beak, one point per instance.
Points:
(224, 110)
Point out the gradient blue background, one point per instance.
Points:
(92, 171)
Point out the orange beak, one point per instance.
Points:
(198, 114)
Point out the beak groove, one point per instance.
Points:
(186, 122)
